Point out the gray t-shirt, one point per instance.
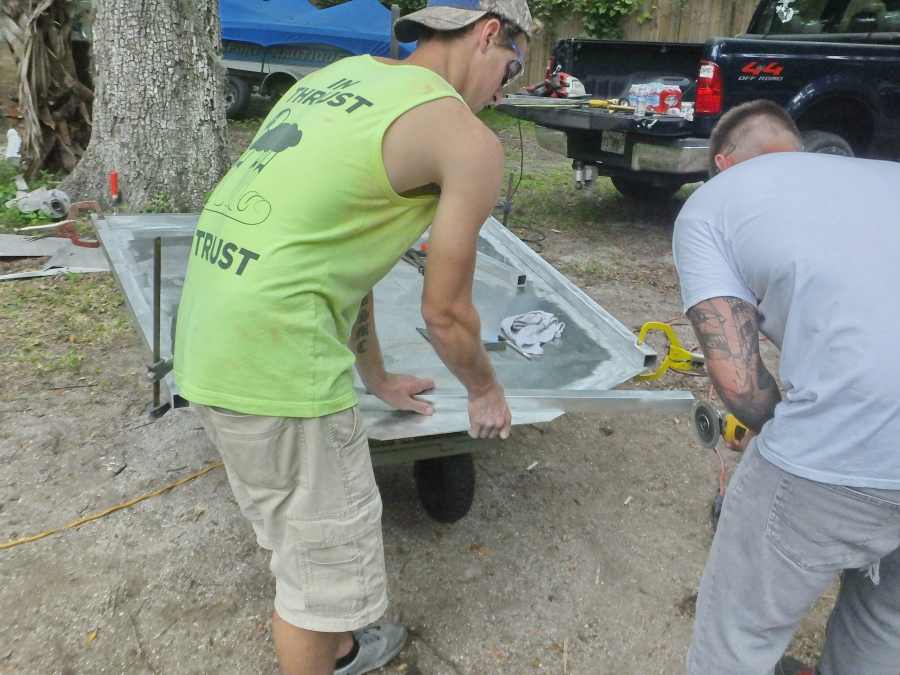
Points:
(814, 242)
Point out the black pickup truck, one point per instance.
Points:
(834, 65)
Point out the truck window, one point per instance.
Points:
(810, 17)
(890, 20)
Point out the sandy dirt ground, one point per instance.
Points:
(581, 555)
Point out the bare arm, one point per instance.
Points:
(469, 191)
(397, 390)
(465, 161)
(728, 330)
(364, 343)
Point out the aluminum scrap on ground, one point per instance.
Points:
(65, 256)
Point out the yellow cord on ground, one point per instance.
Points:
(112, 509)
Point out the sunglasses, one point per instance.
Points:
(514, 67)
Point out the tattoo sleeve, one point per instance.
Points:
(728, 330)
(360, 335)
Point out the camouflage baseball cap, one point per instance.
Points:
(454, 14)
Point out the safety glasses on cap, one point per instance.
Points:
(514, 67)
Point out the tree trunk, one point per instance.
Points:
(54, 101)
(159, 105)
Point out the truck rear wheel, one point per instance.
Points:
(826, 143)
(643, 190)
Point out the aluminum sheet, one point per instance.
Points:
(595, 353)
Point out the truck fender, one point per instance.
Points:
(831, 87)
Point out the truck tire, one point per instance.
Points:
(446, 486)
(826, 143)
(237, 95)
(644, 190)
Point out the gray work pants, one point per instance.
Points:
(780, 542)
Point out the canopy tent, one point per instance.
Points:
(356, 26)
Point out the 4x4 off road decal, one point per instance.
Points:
(762, 72)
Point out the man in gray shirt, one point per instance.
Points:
(804, 249)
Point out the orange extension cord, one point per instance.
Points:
(112, 509)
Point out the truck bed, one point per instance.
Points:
(608, 68)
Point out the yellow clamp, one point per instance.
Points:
(677, 357)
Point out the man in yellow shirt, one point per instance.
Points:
(349, 168)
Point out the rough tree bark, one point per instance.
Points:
(159, 106)
(54, 101)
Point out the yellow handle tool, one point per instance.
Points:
(732, 429)
(677, 357)
(709, 425)
(611, 105)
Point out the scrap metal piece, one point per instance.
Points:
(20, 246)
(490, 344)
(51, 203)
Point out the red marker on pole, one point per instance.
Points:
(114, 186)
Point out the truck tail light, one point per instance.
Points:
(709, 89)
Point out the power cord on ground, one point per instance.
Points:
(532, 235)
(118, 507)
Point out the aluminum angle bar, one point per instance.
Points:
(571, 401)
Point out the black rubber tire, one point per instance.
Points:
(446, 486)
(237, 95)
(826, 143)
(645, 191)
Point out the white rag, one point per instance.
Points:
(531, 330)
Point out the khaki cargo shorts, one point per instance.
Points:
(307, 487)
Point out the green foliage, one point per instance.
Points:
(602, 18)
(406, 6)
(160, 203)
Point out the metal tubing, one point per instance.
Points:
(157, 302)
(570, 401)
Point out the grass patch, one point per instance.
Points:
(58, 326)
(248, 125)
(499, 121)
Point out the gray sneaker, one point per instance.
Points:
(378, 644)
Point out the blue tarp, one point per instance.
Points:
(357, 26)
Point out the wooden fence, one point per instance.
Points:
(670, 21)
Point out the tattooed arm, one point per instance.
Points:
(364, 343)
(728, 330)
(398, 391)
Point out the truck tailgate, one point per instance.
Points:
(586, 119)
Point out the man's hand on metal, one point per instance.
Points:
(399, 391)
(489, 415)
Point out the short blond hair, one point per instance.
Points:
(726, 131)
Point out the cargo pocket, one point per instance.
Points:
(260, 451)
(348, 436)
(336, 562)
(829, 528)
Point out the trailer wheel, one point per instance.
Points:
(237, 95)
(446, 486)
(644, 190)
(826, 143)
